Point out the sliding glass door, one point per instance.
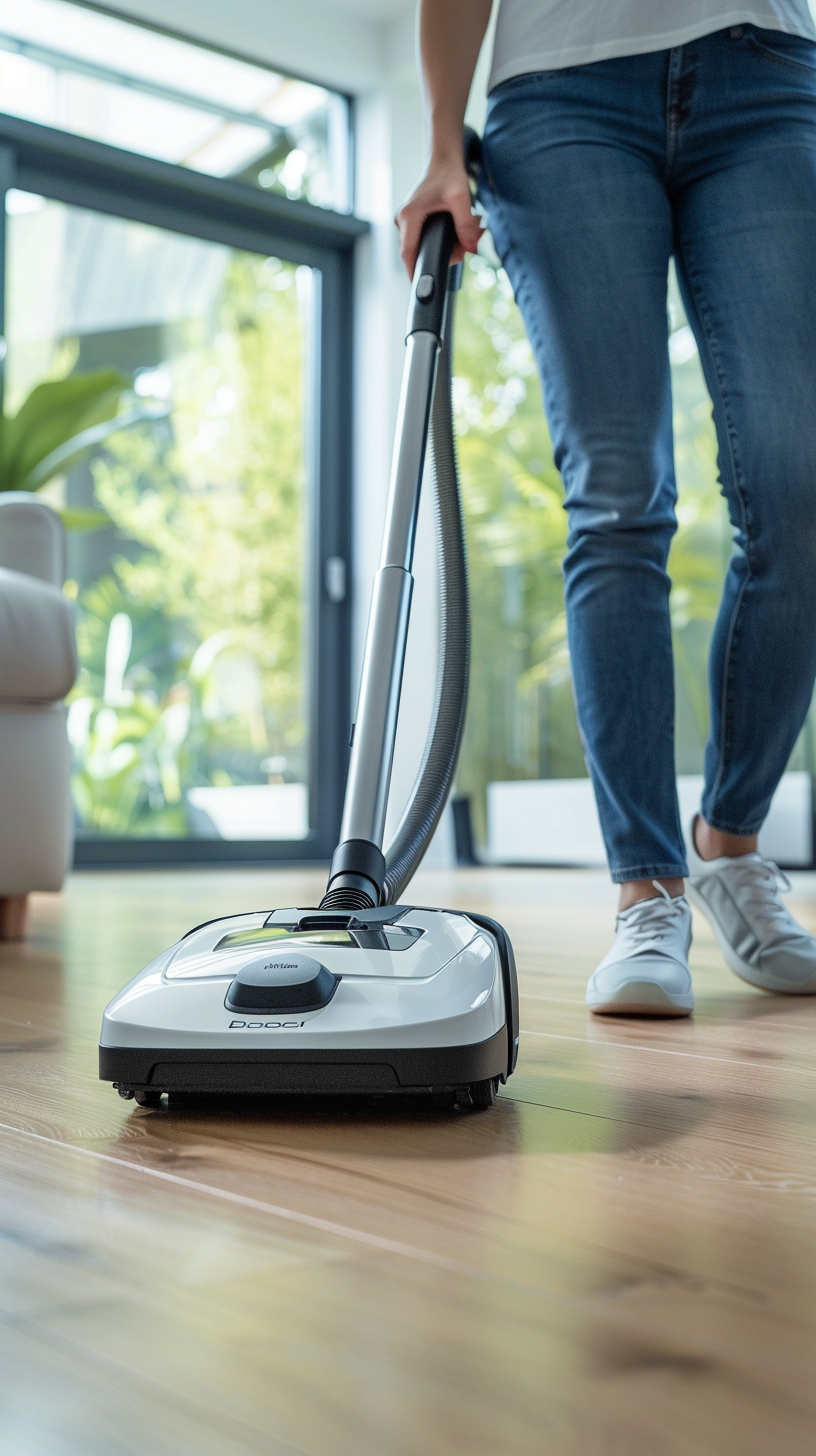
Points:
(207, 513)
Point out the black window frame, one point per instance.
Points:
(90, 174)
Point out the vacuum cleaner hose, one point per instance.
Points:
(436, 771)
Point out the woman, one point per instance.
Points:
(618, 136)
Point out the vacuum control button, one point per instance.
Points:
(282, 981)
(425, 288)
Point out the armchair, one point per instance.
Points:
(38, 666)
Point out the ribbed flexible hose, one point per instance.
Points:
(435, 776)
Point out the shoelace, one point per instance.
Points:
(771, 879)
(655, 919)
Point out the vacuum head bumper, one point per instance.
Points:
(418, 1070)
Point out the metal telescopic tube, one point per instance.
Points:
(373, 748)
(358, 871)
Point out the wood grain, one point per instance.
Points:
(619, 1258)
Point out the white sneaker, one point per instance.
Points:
(757, 934)
(646, 972)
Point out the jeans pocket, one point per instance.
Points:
(529, 79)
(785, 49)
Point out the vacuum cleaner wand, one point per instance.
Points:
(361, 875)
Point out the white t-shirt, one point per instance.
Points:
(545, 35)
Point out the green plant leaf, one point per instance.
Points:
(54, 413)
(72, 451)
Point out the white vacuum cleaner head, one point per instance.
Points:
(391, 1000)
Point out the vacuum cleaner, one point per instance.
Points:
(365, 993)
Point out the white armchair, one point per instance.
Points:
(38, 666)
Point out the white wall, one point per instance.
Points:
(555, 821)
(320, 41)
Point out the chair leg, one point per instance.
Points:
(13, 917)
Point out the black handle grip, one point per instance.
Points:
(427, 307)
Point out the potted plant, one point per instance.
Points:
(58, 425)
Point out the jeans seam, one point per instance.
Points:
(739, 491)
(672, 115)
(667, 871)
(742, 830)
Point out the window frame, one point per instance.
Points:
(90, 174)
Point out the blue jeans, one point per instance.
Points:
(594, 177)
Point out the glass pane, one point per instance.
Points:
(521, 721)
(69, 67)
(190, 714)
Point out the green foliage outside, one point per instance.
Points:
(191, 642)
(521, 719)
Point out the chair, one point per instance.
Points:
(38, 666)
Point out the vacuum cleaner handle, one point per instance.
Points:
(435, 247)
(426, 311)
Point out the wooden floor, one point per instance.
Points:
(619, 1258)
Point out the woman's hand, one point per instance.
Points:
(444, 188)
(450, 35)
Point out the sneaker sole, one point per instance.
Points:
(641, 998)
(735, 963)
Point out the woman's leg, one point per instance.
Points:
(743, 183)
(579, 211)
(746, 256)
